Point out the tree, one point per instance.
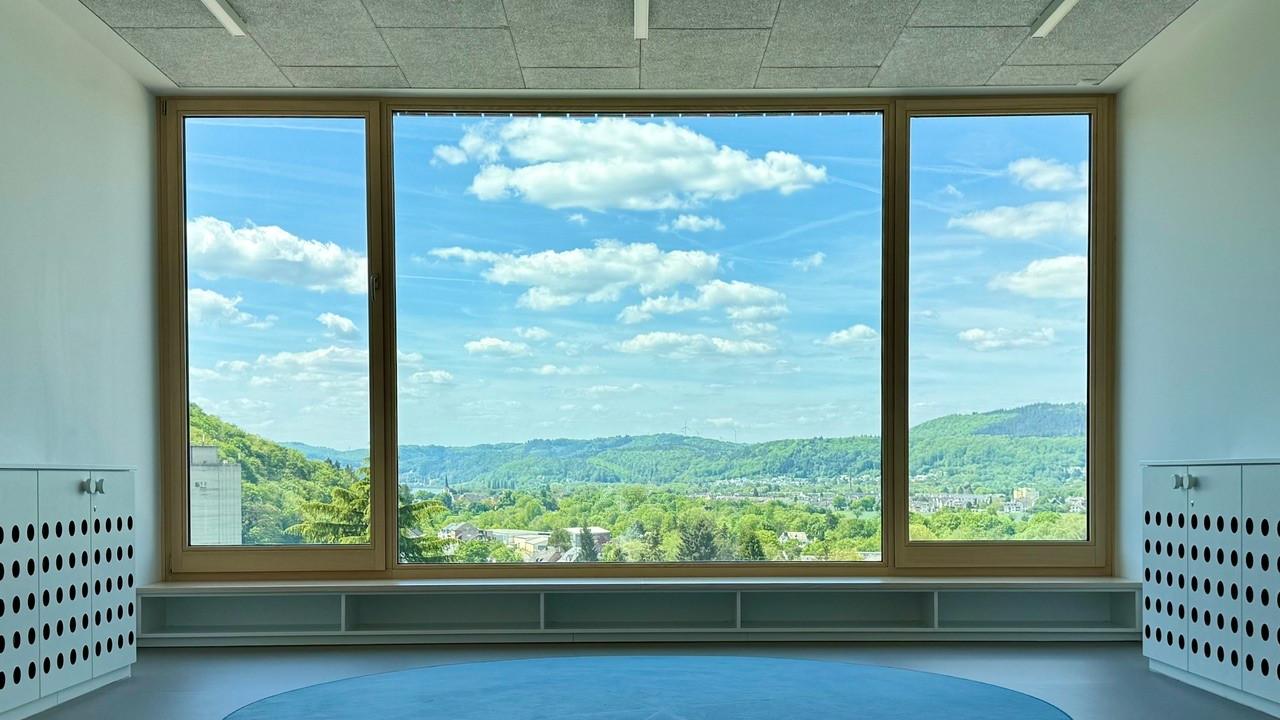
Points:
(587, 546)
(417, 523)
(652, 551)
(342, 520)
(613, 553)
(698, 540)
(750, 549)
(560, 539)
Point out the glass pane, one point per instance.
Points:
(638, 339)
(277, 331)
(998, 366)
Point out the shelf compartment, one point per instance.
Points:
(862, 610)
(621, 611)
(1044, 611)
(214, 615)
(443, 612)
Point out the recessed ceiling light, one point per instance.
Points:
(642, 19)
(221, 10)
(1051, 16)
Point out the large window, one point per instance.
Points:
(638, 339)
(423, 338)
(998, 364)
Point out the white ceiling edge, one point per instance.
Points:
(1176, 37)
(98, 34)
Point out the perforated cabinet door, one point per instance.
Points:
(1164, 567)
(64, 601)
(1215, 598)
(1261, 580)
(114, 594)
(19, 590)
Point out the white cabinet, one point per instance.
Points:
(1211, 575)
(67, 584)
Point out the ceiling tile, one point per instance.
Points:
(818, 33)
(712, 13)
(154, 13)
(344, 77)
(314, 32)
(1011, 75)
(582, 78)
(822, 77)
(1100, 32)
(574, 33)
(702, 59)
(455, 58)
(977, 13)
(436, 13)
(205, 57)
(947, 57)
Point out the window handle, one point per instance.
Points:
(375, 284)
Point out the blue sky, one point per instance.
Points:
(579, 277)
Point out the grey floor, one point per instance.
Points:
(1090, 681)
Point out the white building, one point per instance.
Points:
(215, 492)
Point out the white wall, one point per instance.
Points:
(77, 278)
(1199, 248)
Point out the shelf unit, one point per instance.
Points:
(427, 611)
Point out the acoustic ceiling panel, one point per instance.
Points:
(947, 57)
(1100, 32)
(153, 13)
(1050, 75)
(977, 13)
(607, 78)
(436, 13)
(205, 57)
(574, 33)
(344, 77)
(473, 58)
(703, 59)
(314, 32)
(835, 33)
(815, 77)
(712, 13)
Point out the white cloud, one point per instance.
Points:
(810, 262)
(432, 377)
(722, 422)
(449, 155)
(496, 346)
(1005, 339)
(338, 325)
(743, 301)
(755, 328)
(597, 274)
(852, 335)
(578, 219)
(235, 366)
(693, 224)
(1039, 174)
(534, 333)
(674, 344)
(1028, 221)
(613, 389)
(549, 369)
(272, 254)
(952, 191)
(1064, 278)
(607, 163)
(204, 374)
(330, 357)
(213, 308)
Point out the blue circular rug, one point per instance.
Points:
(652, 688)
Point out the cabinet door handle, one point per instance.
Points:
(1191, 481)
(99, 488)
(86, 486)
(1177, 482)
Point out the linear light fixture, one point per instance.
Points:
(221, 10)
(642, 19)
(1051, 16)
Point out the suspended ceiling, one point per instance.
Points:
(589, 44)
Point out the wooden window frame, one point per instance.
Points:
(379, 559)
